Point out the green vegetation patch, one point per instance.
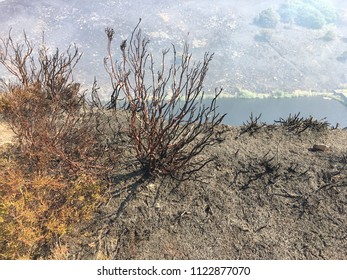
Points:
(248, 94)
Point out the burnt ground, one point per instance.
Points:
(267, 195)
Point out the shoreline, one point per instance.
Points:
(339, 95)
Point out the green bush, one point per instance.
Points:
(263, 36)
(310, 17)
(326, 8)
(310, 14)
(267, 19)
(330, 35)
(289, 11)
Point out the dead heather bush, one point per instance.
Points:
(47, 110)
(252, 125)
(168, 123)
(299, 124)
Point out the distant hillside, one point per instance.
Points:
(287, 57)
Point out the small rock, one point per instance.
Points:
(157, 205)
(319, 148)
(151, 187)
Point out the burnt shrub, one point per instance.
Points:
(169, 124)
(46, 109)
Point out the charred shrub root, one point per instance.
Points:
(168, 123)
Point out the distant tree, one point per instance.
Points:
(267, 18)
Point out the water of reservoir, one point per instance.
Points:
(239, 110)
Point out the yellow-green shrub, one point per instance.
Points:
(36, 210)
